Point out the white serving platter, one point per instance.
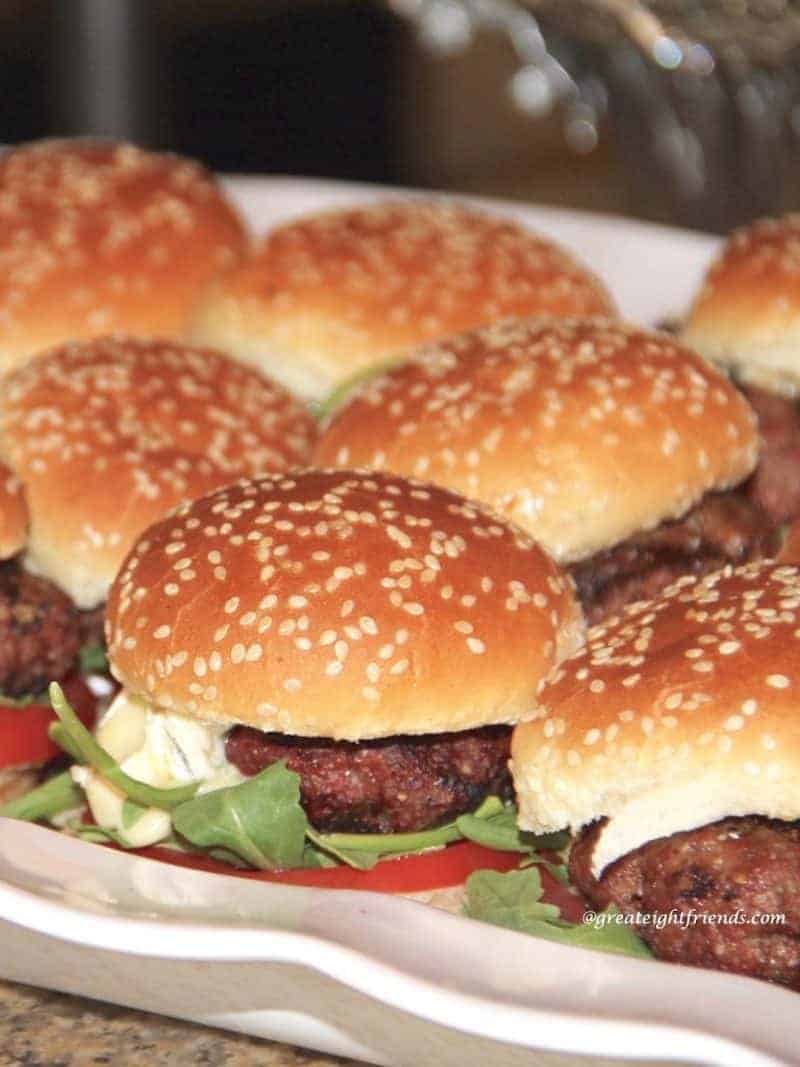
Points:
(377, 978)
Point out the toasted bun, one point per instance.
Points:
(790, 547)
(13, 514)
(583, 431)
(747, 314)
(97, 236)
(681, 712)
(339, 604)
(325, 297)
(108, 435)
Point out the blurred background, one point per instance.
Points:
(685, 111)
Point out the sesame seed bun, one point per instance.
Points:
(325, 297)
(678, 713)
(13, 514)
(747, 313)
(342, 605)
(582, 431)
(107, 435)
(98, 237)
(790, 547)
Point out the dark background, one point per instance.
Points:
(297, 88)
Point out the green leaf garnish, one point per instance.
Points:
(51, 798)
(343, 845)
(514, 900)
(360, 859)
(260, 820)
(93, 659)
(499, 830)
(83, 748)
(338, 396)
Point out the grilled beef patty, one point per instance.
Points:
(733, 872)
(391, 785)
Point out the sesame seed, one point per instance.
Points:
(778, 681)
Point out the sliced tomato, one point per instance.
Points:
(23, 731)
(407, 874)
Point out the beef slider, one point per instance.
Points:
(613, 446)
(739, 869)
(377, 635)
(102, 237)
(99, 439)
(327, 296)
(106, 436)
(746, 319)
(670, 747)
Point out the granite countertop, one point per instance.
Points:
(43, 1029)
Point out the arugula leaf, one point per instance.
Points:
(500, 831)
(361, 860)
(97, 835)
(93, 659)
(51, 798)
(514, 900)
(79, 743)
(131, 813)
(404, 843)
(260, 820)
(341, 393)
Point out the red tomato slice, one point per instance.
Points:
(23, 731)
(408, 874)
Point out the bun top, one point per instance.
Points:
(583, 431)
(339, 604)
(13, 514)
(747, 314)
(682, 711)
(98, 236)
(325, 297)
(108, 435)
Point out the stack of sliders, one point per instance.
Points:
(617, 448)
(99, 237)
(669, 746)
(330, 296)
(102, 438)
(746, 318)
(319, 670)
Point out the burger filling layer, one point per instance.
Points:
(725, 896)
(775, 486)
(394, 785)
(40, 632)
(724, 528)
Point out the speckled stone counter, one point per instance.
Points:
(43, 1029)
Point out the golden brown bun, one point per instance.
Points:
(108, 435)
(98, 237)
(339, 604)
(13, 514)
(681, 712)
(583, 431)
(324, 297)
(747, 314)
(16, 782)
